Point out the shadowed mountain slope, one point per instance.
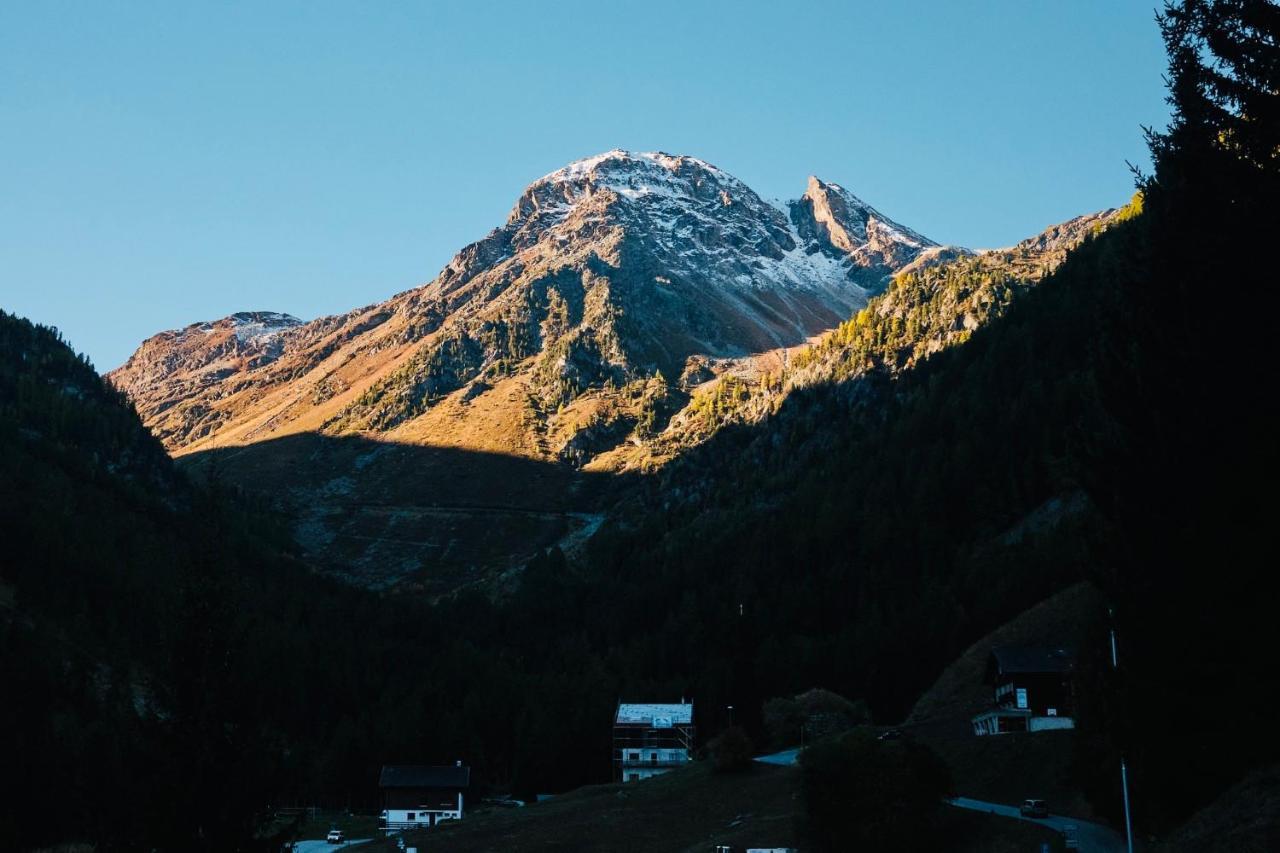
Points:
(413, 517)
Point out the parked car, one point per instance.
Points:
(335, 836)
(504, 802)
(891, 734)
(1033, 808)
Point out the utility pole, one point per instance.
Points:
(1124, 786)
(1124, 770)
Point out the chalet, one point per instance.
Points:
(1031, 690)
(415, 796)
(649, 739)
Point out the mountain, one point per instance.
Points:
(631, 306)
(607, 272)
(616, 285)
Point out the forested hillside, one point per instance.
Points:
(1111, 425)
(124, 653)
(169, 667)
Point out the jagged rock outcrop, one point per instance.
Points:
(844, 226)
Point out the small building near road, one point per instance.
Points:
(651, 739)
(1031, 690)
(416, 796)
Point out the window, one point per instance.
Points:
(653, 758)
(633, 756)
(411, 816)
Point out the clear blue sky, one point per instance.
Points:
(163, 163)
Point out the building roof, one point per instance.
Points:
(422, 776)
(1033, 658)
(657, 715)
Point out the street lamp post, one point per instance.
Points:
(1124, 770)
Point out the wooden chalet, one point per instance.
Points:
(415, 796)
(1031, 690)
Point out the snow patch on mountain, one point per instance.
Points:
(248, 326)
(252, 325)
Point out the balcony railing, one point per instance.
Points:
(641, 763)
(401, 825)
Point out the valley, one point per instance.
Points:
(665, 516)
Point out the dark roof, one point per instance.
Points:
(1033, 658)
(421, 776)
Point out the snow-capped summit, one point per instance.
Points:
(633, 176)
(653, 164)
(698, 221)
(653, 191)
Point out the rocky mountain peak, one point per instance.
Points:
(839, 216)
(171, 365)
(635, 174)
(643, 191)
(608, 273)
(843, 225)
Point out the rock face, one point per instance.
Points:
(582, 323)
(843, 226)
(932, 303)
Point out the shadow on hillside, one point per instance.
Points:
(412, 517)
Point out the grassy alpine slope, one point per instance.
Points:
(689, 811)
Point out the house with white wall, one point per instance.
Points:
(650, 739)
(1031, 690)
(416, 796)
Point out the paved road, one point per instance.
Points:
(1093, 837)
(784, 759)
(322, 845)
